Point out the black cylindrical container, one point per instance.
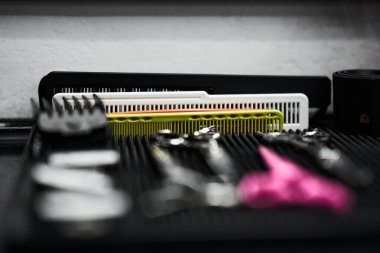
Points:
(356, 98)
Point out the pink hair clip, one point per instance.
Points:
(287, 183)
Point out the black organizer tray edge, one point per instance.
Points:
(316, 88)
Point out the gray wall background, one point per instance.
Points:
(248, 37)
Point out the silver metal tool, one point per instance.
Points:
(72, 179)
(85, 158)
(182, 187)
(216, 157)
(332, 161)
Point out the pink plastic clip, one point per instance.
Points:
(287, 183)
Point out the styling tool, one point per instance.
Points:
(288, 184)
(182, 187)
(206, 140)
(294, 106)
(230, 121)
(72, 121)
(333, 161)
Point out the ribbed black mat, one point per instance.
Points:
(242, 223)
(139, 173)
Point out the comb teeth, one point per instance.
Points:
(77, 105)
(69, 119)
(98, 103)
(46, 106)
(57, 107)
(226, 122)
(67, 106)
(86, 103)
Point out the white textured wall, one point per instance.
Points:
(251, 37)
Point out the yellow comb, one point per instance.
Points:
(225, 121)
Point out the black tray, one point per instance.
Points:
(208, 227)
(212, 224)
